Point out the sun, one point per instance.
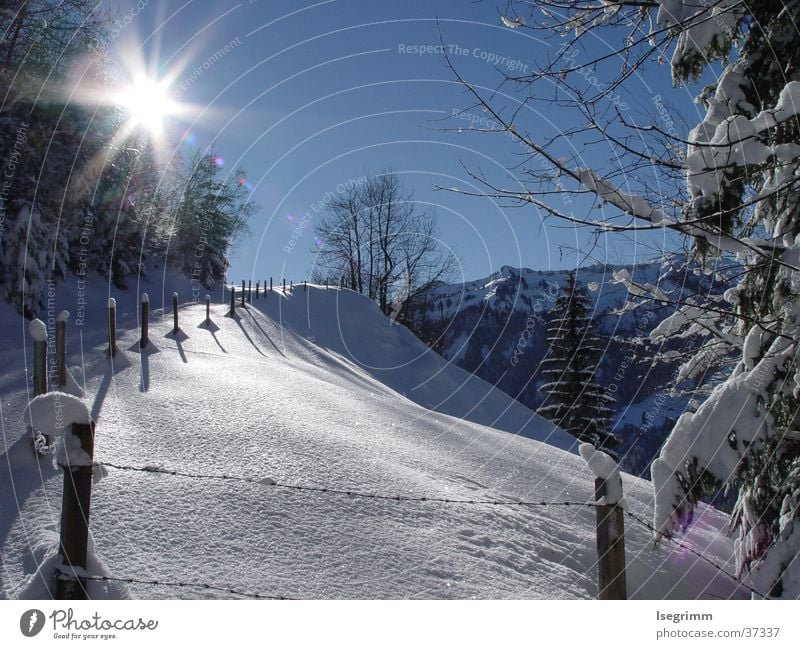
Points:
(147, 104)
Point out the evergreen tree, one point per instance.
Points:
(575, 401)
(212, 213)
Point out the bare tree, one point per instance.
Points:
(381, 243)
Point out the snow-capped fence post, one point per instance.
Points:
(243, 294)
(145, 321)
(61, 349)
(208, 309)
(38, 331)
(66, 419)
(611, 582)
(75, 507)
(174, 313)
(112, 327)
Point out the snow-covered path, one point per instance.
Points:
(319, 389)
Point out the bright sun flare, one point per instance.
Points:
(147, 103)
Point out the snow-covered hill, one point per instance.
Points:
(313, 388)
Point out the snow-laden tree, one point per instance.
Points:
(211, 214)
(729, 185)
(575, 400)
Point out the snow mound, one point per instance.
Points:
(352, 331)
(38, 330)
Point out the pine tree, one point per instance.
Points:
(575, 401)
(211, 215)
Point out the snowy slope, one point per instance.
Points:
(316, 389)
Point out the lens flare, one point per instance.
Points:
(147, 103)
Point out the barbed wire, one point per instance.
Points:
(268, 482)
(689, 548)
(159, 582)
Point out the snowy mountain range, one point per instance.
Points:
(495, 328)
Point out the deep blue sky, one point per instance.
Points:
(315, 94)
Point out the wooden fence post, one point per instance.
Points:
(75, 508)
(270, 285)
(232, 312)
(112, 327)
(610, 545)
(243, 294)
(257, 284)
(284, 285)
(38, 331)
(208, 309)
(145, 321)
(291, 284)
(305, 286)
(175, 313)
(61, 349)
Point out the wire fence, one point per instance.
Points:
(505, 502)
(268, 482)
(60, 574)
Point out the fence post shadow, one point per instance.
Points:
(238, 320)
(116, 363)
(179, 337)
(144, 363)
(212, 328)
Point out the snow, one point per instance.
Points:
(631, 204)
(731, 421)
(604, 467)
(53, 414)
(38, 330)
(513, 23)
(700, 22)
(317, 389)
(145, 298)
(39, 585)
(63, 316)
(112, 303)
